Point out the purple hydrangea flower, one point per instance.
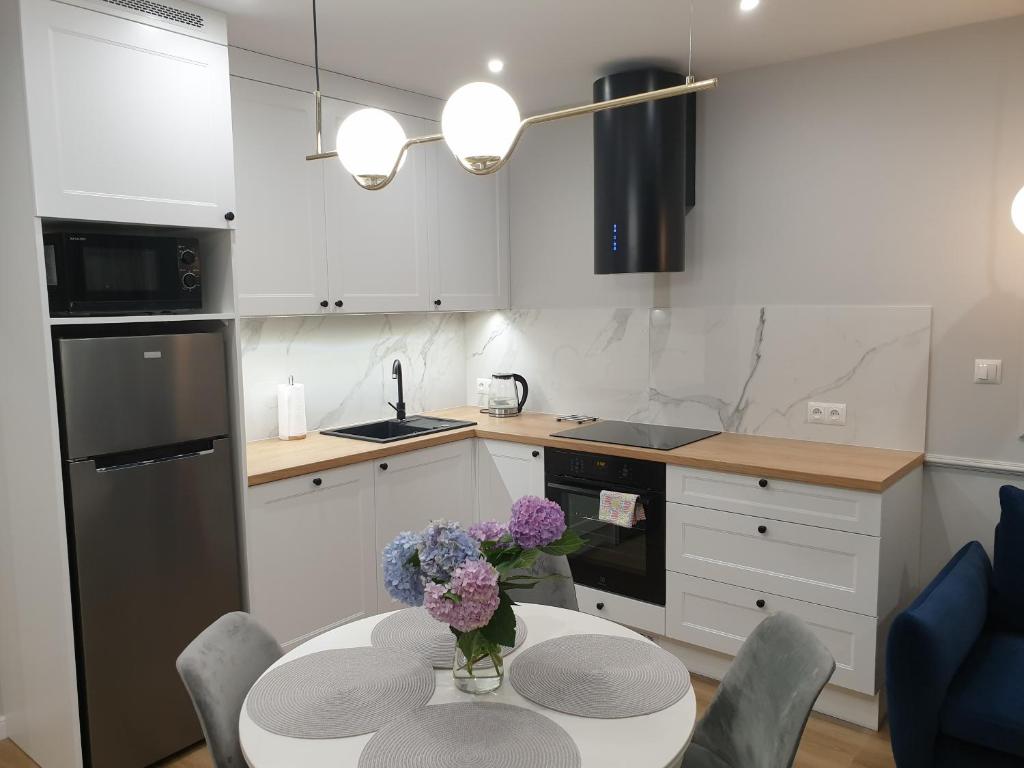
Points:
(403, 580)
(536, 522)
(443, 547)
(489, 530)
(475, 582)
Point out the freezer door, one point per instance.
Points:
(156, 561)
(124, 393)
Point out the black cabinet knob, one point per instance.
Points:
(600, 606)
(535, 454)
(339, 303)
(437, 302)
(324, 303)
(384, 466)
(317, 481)
(759, 603)
(762, 529)
(763, 483)
(229, 216)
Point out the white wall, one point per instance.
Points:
(882, 175)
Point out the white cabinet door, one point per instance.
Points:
(311, 551)
(129, 122)
(412, 489)
(470, 258)
(280, 247)
(721, 617)
(504, 473)
(377, 241)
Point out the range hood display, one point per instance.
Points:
(644, 182)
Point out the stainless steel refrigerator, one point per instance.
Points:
(152, 529)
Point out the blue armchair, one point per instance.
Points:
(955, 658)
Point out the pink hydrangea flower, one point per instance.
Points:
(475, 582)
(536, 522)
(488, 530)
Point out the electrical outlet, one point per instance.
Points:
(482, 385)
(827, 413)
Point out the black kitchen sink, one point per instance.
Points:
(391, 430)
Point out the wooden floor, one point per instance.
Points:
(826, 742)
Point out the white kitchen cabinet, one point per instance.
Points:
(470, 256)
(504, 473)
(378, 242)
(311, 551)
(130, 121)
(412, 489)
(280, 246)
(819, 565)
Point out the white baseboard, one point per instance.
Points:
(3, 727)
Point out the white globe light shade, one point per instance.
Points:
(1017, 211)
(479, 123)
(369, 141)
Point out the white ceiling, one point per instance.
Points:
(554, 49)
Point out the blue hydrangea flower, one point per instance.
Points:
(444, 547)
(402, 579)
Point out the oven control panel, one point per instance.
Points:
(645, 475)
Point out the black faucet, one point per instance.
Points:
(396, 373)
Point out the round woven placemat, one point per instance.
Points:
(413, 629)
(599, 676)
(338, 693)
(482, 735)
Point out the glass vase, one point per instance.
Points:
(484, 673)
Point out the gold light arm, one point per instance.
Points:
(379, 182)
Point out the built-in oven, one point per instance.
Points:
(627, 561)
(107, 273)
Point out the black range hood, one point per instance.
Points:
(644, 181)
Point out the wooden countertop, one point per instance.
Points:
(840, 466)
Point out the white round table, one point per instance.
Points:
(650, 741)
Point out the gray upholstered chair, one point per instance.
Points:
(759, 712)
(218, 669)
(559, 591)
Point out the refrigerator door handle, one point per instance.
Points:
(147, 458)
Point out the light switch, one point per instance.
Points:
(988, 371)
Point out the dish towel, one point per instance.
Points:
(622, 509)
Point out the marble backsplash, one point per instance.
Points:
(738, 368)
(344, 361)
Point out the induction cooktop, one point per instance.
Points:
(656, 436)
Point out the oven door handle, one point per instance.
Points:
(595, 489)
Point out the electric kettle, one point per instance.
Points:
(503, 398)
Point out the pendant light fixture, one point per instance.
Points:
(1017, 211)
(480, 124)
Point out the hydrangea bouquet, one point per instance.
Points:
(462, 576)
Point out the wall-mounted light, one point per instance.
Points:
(1017, 211)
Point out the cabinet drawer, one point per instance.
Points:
(721, 616)
(837, 508)
(832, 568)
(622, 610)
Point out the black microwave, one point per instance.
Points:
(121, 274)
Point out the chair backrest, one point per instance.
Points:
(758, 715)
(557, 590)
(218, 669)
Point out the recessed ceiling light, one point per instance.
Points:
(496, 65)
(749, 5)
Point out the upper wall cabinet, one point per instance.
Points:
(377, 241)
(280, 247)
(470, 270)
(130, 116)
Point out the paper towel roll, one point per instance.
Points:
(291, 411)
